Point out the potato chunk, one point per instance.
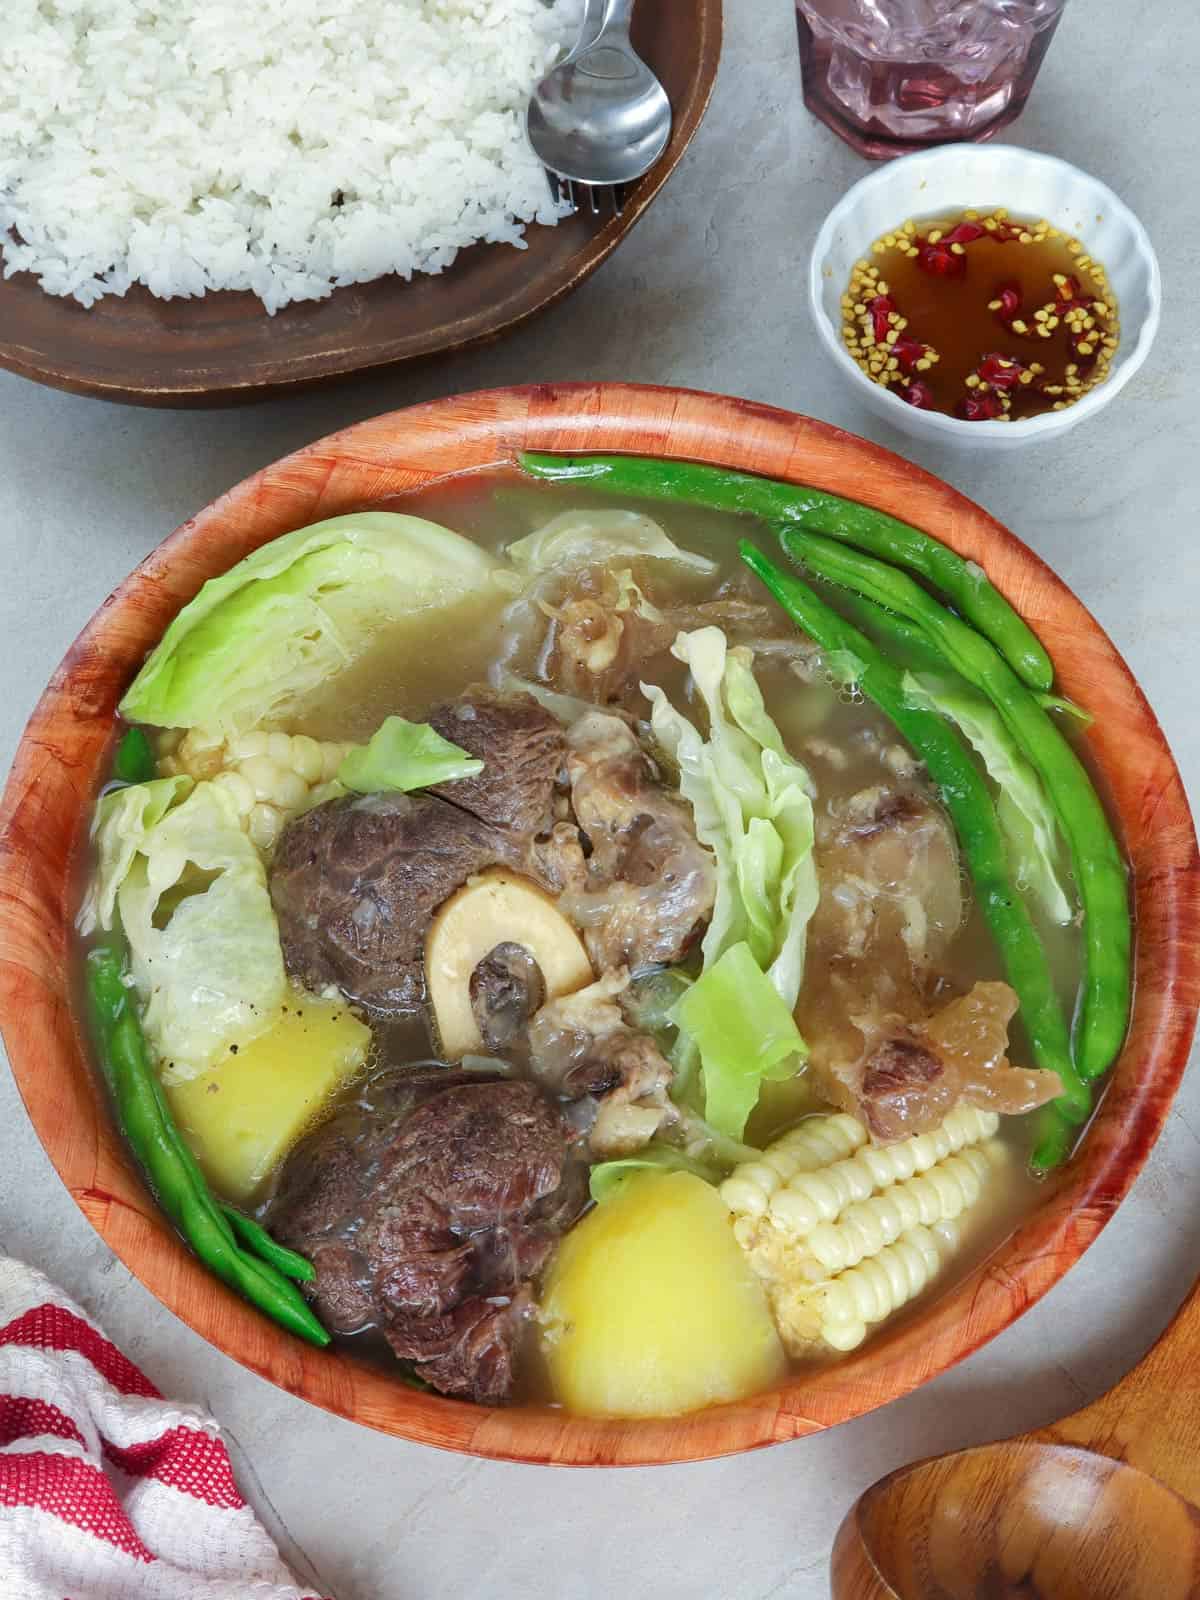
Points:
(650, 1309)
(243, 1115)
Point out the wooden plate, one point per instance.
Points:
(60, 759)
(224, 348)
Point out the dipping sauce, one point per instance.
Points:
(981, 316)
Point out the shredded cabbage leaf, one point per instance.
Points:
(568, 708)
(752, 806)
(608, 1176)
(595, 538)
(405, 755)
(261, 636)
(745, 1032)
(1022, 809)
(120, 824)
(203, 941)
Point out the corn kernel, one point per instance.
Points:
(306, 758)
(264, 826)
(843, 1243)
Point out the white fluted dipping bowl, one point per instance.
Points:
(952, 178)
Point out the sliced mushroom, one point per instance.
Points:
(506, 989)
(480, 924)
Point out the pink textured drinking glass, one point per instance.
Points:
(893, 76)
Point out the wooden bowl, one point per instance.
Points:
(64, 750)
(224, 348)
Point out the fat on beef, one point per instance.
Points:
(650, 883)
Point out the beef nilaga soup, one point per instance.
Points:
(542, 938)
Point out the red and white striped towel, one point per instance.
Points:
(108, 1491)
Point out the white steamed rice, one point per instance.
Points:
(205, 144)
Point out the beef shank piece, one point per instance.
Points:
(905, 1087)
(888, 1041)
(355, 883)
(616, 1079)
(425, 1209)
(522, 748)
(891, 886)
(650, 883)
(604, 634)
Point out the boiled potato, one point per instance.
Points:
(243, 1115)
(650, 1308)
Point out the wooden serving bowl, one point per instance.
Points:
(65, 749)
(224, 348)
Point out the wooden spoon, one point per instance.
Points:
(1099, 1506)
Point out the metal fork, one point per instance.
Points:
(596, 198)
(601, 118)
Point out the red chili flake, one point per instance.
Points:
(1011, 300)
(939, 260)
(1000, 372)
(917, 393)
(1067, 295)
(980, 408)
(881, 308)
(908, 352)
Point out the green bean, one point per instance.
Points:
(906, 645)
(1068, 708)
(180, 1189)
(969, 802)
(1053, 1139)
(1099, 870)
(170, 1168)
(964, 583)
(134, 761)
(256, 1238)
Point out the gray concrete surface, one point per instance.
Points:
(707, 292)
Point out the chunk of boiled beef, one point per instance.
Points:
(522, 748)
(905, 1087)
(970, 1036)
(890, 880)
(902, 1071)
(615, 1078)
(604, 632)
(650, 882)
(887, 1041)
(425, 1209)
(355, 883)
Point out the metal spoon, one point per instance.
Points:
(601, 116)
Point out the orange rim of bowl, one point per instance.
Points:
(65, 744)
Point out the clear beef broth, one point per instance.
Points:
(843, 740)
(846, 744)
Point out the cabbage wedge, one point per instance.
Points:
(403, 755)
(597, 538)
(261, 636)
(752, 805)
(203, 941)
